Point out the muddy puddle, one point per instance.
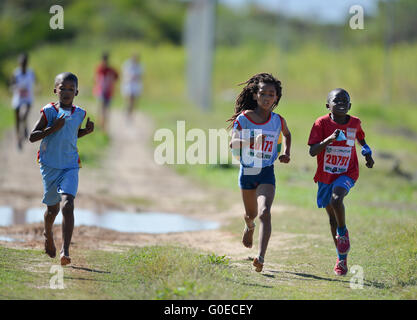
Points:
(143, 222)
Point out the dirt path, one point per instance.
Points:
(128, 180)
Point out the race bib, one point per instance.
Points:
(257, 152)
(67, 114)
(23, 93)
(351, 135)
(336, 159)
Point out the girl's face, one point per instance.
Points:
(266, 96)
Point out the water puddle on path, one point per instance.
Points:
(143, 222)
(9, 239)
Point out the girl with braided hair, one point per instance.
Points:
(256, 138)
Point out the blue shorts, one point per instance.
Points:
(251, 181)
(325, 191)
(57, 182)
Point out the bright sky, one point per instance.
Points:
(324, 10)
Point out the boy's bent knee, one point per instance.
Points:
(265, 214)
(250, 216)
(68, 203)
(68, 206)
(52, 210)
(336, 200)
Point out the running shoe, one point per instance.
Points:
(341, 268)
(343, 243)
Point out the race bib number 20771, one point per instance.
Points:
(336, 159)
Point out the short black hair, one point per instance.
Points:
(337, 91)
(66, 76)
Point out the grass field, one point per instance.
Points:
(169, 272)
(381, 208)
(6, 118)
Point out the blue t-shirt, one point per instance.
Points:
(257, 155)
(59, 149)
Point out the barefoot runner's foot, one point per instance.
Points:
(65, 259)
(258, 263)
(247, 239)
(50, 249)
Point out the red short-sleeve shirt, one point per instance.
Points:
(105, 80)
(338, 158)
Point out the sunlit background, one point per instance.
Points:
(194, 54)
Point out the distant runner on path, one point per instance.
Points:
(105, 79)
(132, 85)
(22, 84)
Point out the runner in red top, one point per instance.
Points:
(105, 79)
(332, 140)
(339, 158)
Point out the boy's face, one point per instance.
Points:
(66, 91)
(266, 96)
(338, 102)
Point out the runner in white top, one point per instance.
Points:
(22, 85)
(132, 82)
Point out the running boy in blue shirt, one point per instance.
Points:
(59, 127)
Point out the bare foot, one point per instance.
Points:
(65, 259)
(247, 239)
(50, 249)
(258, 265)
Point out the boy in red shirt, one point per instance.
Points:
(332, 140)
(105, 79)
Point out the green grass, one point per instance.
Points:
(6, 118)
(93, 147)
(167, 272)
(164, 272)
(26, 274)
(160, 272)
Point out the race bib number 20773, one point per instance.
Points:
(336, 159)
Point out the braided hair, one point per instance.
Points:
(245, 100)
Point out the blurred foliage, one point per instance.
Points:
(24, 25)
(393, 22)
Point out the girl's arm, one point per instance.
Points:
(285, 157)
(41, 131)
(238, 143)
